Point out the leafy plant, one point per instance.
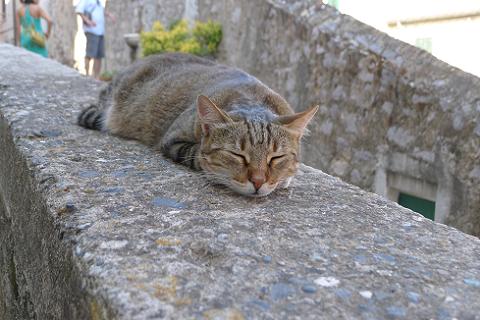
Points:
(106, 75)
(209, 34)
(202, 40)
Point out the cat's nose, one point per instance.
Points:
(258, 179)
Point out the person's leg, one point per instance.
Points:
(97, 63)
(92, 48)
(97, 66)
(87, 65)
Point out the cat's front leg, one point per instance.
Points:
(183, 152)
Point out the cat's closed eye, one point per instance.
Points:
(228, 158)
(279, 160)
(240, 157)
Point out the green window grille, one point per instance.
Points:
(425, 207)
(424, 43)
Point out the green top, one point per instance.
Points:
(27, 21)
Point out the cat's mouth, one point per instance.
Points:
(245, 188)
(264, 190)
(257, 194)
(248, 189)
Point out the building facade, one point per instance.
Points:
(444, 28)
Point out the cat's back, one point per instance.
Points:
(162, 67)
(149, 95)
(182, 74)
(168, 61)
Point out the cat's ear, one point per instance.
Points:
(209, 114)
(297, 122)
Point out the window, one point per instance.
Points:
(426, 195)
(424, 43)
(425, 207)
(333, 3)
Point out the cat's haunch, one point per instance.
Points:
(207, 116)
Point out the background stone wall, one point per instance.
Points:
(61, 44)
(133, 17)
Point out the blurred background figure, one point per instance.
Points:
(93, 15)
(30, 34)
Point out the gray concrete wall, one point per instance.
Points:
(40, 276)
(61, 44)
(133, 17)
(6, 23)
(96, 227)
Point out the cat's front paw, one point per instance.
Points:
(285, 183)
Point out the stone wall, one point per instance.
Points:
(61, 45)
(40, 278)
(93, 226)
(133, 17)
(6, 23)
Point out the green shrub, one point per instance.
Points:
(202, 40)
(106, 75)
(209, 35)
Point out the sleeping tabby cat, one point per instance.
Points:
(206, 116)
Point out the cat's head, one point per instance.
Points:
(250, 157)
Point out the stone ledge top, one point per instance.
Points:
(162, 242)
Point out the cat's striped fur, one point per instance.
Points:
(91, 118)
(207, 116)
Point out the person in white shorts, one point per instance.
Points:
(93, 15)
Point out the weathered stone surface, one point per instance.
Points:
(133, 17)
(61, 43)
(94, 226)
